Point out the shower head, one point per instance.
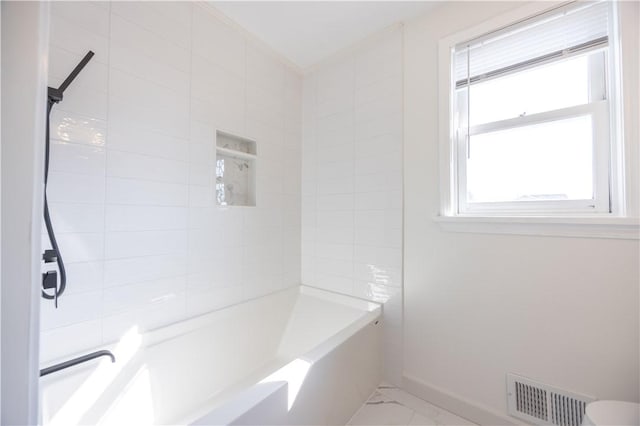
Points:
(55, 95)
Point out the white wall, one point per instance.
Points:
(560, 310)
(24, 46)
(132, 169)
(352, 179)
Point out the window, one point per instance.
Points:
(530, 125)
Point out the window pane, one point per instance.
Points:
(548, 161)
(545, 88)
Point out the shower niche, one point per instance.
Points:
(235, 170)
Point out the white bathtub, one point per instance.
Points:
(300, 356)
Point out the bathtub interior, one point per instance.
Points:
(178, 372)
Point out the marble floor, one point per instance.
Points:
(390, 405)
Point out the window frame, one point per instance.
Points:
(552, 221)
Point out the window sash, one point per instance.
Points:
(599, 112)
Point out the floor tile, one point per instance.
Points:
(420, 420)
(379, 410)
(390, 405)
(419, 405)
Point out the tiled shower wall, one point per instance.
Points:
(133, 169)
(352, 180)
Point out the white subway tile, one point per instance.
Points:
(389, 89)
(142, 192)
(329, 136)
(378, 256)
(120, 245)
(200, 242)
(137, 166)
(201, 196)
(140, 141)
(335, 218)
(146, 318)
(335, 169)
(70, 127)
(84, 276)
(332, 153)
(148, 43)
(65, 35)
(341, 106)
(334, 283)
(75, 338)
(203, 300)
(86, 15)
(391, 161)
(369, 129)
(137, 269)
(143, 92)
(378, 200)
(336, 80)
(379, 219)
(201, 174)
(388, 181)
(380, 275)
(67, 217)
(145, 218)
(380, 293)
(227, 115)
(77, 158)
(308, 274)
(160, 22)
(218, 42)
(335, 251)
(264, 71)
(142, 295)
(156, 70)
(379, 237)
(210, 80)
(75, 188)
(337, 267)
(264, 106)
(336, 186)
(81, 247)
(377, 110)
(161, 117)
(342, 235)
(72, 309)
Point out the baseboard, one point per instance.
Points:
(458, 405)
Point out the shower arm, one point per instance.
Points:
(50, 278)
(55, 95)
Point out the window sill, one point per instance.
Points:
(581, 227)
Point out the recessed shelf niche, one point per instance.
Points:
(235, 170)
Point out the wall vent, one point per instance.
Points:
(542, 404)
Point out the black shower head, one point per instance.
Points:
(55, 95)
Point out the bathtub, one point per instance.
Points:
(299, 356)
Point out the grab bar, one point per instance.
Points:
(76, 361)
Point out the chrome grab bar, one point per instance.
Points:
(76, 361)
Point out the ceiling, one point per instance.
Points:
(306, 32)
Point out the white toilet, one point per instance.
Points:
(612, 413)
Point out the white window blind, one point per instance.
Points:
(564, 31)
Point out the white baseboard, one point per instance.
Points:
(458, 405)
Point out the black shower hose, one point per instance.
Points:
(47, 218)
